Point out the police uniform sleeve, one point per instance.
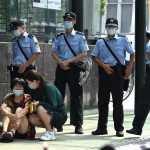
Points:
(83, 44)
(55, 46)
(148, 48)
(34, 46)
(96, 50)
(128, 46)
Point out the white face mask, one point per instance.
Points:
(18, 92)
(68, 24)
(17, 33)
(111, 30)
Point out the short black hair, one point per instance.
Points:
(14, 24)
(107, 147)
(19, 81)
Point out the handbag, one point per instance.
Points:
(120, 68)
(84, 67)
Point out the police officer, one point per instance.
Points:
(25, 49)
(147, 52)
(143, 106)
(109, 81)
(65, 73)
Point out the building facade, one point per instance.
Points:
(42, 17)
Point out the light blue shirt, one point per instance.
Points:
(76, 40)
(119, 45)
(29, 46)
(147, 52)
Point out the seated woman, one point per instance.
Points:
(50, 108)
(14, 110)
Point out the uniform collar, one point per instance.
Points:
(115, 37)
(72, 33)
(25, 34)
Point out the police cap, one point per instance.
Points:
(15, 24)
(111, 22)
(148, 34)
(70, 15)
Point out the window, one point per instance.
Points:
(126, 18)
(112, 1)
(127, 1)
(112, 11)
(3, 16)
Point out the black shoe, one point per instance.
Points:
(60, 129)
(1, 129)
(7, 137)
(78, 130)
(119, 133)
(134, 131)
(99, 132)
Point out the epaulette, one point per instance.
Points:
(30, 36)
(80, 33)
(59, 34)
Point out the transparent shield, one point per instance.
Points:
(84, 75)
(127, 93)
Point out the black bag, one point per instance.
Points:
(126, 84)
(79, 66)
(119, 68)
(12, 68)
(121, 73)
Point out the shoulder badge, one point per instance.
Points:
(30, 36)
(59, 34)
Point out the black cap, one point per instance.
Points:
(111, 22)
(148, 34)
(70, 15)
(15, 24)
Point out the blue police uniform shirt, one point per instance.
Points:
(29, 46)
(76, 40)
(147, 52)
(119, 45)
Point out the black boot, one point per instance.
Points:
(99, 132)
(134, 131)
(78, 130)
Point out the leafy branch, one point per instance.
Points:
(102, 7)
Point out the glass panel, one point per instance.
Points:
(112, 11)
(3, 16)
(127, 1)
(38, 21)
(126, 23)
(112, 1)
(12, 10)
